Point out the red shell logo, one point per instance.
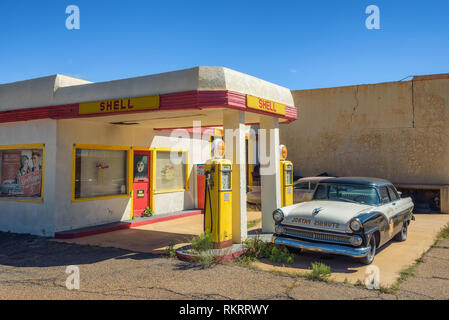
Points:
(220, 148)
(283, 152)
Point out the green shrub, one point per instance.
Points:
(256, 249)
(202, 242)
(171, 252)
(147, 212)
(320, 272)
(206, 260)
(280, 255)
(259, 249)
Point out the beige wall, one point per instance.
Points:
(396, 131)
(73, 215)
(27, 217)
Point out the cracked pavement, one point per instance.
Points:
(34, 268)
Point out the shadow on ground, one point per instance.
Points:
(19, 250)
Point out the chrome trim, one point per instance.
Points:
(397, 213)
(358, 221)
(322, 247)
(317, 235)
(367, 233)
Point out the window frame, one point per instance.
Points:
(153, 171)
(380, 195)
(28, 147)
(128, 192)
(395, 192)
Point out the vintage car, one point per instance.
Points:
(302, 190)
(348, 216)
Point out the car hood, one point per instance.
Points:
(331, 215)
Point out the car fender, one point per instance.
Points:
(375, 221)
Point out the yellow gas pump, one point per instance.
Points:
(286, 173)
(218, 199)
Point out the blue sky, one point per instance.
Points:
(297, 44)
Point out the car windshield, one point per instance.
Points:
(346, 193)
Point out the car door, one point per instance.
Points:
(400, 206)
(389, 209)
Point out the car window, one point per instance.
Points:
(384, 198)
(393, 194)
(320, 192)
(313, 185)
(346, 193)
(302, 185)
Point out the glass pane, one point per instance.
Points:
(302, 186)
(170, 171)
(21, 173)
(393, 193)
(140, 166)
(288, 177)
(226, 180)
(384, 195)
(320, 192)
(346, 193)
(100, 173)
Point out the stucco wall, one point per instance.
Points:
(392, 130)
(26, 217)
(73, 215)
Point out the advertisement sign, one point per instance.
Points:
(21, 173)
(265, 105)
(119, 105)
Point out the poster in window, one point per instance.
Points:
(21, 173)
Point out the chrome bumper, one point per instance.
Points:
(322, 247)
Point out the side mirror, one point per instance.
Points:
(400, 193)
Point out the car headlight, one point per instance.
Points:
(278, 215)
(356, 240)
(355, 225)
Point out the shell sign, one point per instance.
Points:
(218, 148)
(119, 105)
(265, 105)
(283, 152)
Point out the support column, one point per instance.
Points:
(269, 170)
(234, 137)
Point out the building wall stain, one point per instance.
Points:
(398, 131)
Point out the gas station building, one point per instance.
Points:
(76, 154)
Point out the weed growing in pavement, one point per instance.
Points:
(202, 242)
(171, 252)
(258, 249)
(443, 234)
(320, 272)
(206, 260)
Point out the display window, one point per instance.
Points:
(100, 172)
(171, 170)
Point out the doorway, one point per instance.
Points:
(141, 182)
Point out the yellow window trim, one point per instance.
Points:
(153, 171)
(102, 147)
(169, 191)
(101, 198)
(28, 146)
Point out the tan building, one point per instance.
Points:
(396, 130)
